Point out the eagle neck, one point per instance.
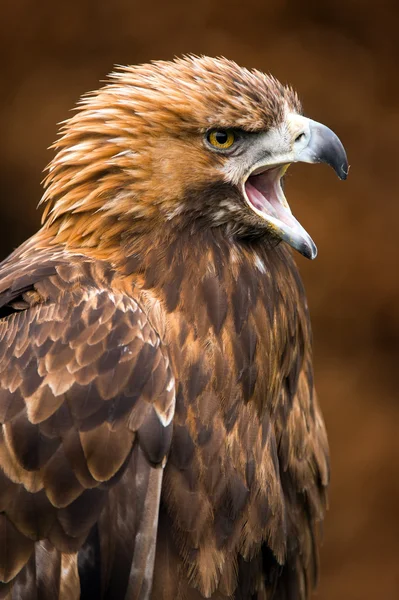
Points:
(239, 299)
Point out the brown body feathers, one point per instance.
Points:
(160, 434)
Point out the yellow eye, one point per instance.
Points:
(221, 138)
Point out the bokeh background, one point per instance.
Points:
(342, 58)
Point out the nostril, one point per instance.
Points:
(299, 137)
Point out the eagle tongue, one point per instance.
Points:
(258, 200)
(263, 193)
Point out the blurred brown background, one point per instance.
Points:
(342, 58)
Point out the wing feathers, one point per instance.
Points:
(128, 528)
(69, 581)
(148, 482)
(106, 450)
(79, 377)
(15, 549)
(154, 437)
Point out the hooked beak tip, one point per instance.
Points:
(307, 248)
(343, 171)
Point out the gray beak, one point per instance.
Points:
(324, 147)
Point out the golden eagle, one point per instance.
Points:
(160, 432)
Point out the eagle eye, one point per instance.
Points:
(221, 138)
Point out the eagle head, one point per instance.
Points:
(195, 142)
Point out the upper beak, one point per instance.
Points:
(321, 145)
(298, 140)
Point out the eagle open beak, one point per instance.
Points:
(298, 140)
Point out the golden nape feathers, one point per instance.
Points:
(161, 437)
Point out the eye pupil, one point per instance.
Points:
(221, 137)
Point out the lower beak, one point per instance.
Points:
(301, 140)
